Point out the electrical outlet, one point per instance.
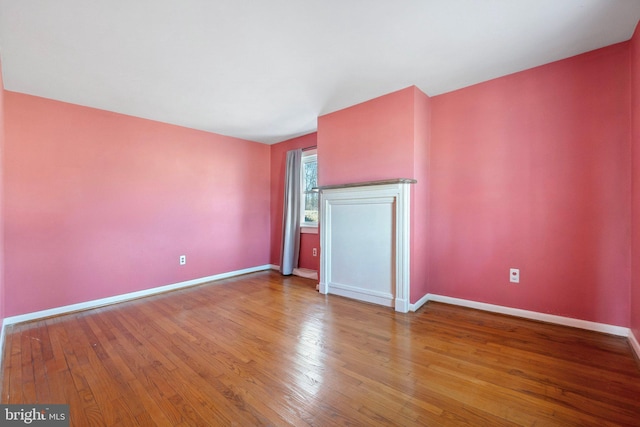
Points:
(183, 259)
(514, 275)
(315, 252)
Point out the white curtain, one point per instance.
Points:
(291, 213)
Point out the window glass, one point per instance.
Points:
(309, 171)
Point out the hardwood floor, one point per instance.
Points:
(265, 350)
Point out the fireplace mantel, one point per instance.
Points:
(364, 237)
(368, 183)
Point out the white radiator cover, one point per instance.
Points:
(364, 236)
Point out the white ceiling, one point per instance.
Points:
(264, 70)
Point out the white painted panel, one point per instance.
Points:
(362, 243)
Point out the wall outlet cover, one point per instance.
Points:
(514, 275)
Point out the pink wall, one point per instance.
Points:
(307, 241)
(369, 141)
(635, 135)
(420, 197)
(532, 171)
(99, 204)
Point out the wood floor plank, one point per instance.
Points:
(263, 349)
(7, 373)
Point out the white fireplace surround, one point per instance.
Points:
(364, 237)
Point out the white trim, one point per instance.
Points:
(634, 343)
(566, 321)
(533, 315)
(309, 229)
(422, 301)
(125, 297)
(309, 156)
(396, 194)
(403, 248)
(361, 294)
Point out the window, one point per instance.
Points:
(309, 172)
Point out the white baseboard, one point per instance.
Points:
(633, 340)
(361, 294)
(533, 315)
(422, 301)
(124, 297)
